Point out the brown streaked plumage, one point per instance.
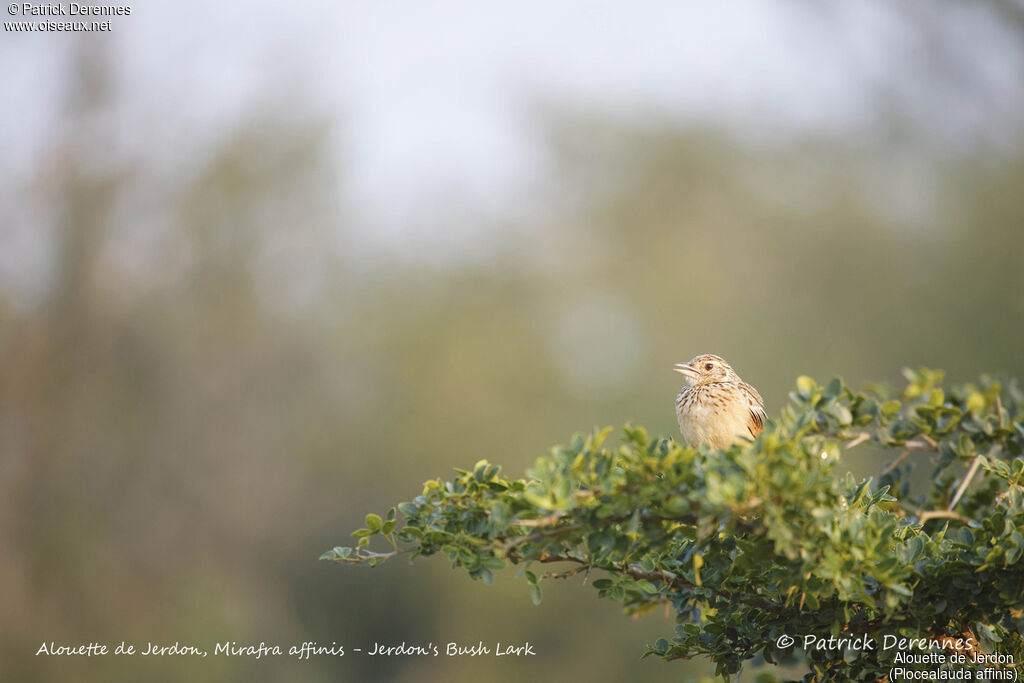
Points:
(716, 407)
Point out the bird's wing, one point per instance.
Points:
(756, 405)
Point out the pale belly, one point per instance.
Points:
(717, 424)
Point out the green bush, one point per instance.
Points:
(766, 539)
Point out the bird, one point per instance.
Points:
(716, 407)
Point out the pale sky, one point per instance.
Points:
(437, 102)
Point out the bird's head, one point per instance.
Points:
(706, 369)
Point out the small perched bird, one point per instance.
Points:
(716, 407)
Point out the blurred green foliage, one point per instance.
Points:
(765, 539)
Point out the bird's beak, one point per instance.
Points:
(685, 370)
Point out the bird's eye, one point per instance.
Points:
(708, 366)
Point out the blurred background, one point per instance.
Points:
(265, 269)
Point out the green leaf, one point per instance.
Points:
(337, 553)
(913, 550)
(805, 386)
(833, 388)
(891, 409)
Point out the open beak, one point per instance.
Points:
(685, 370)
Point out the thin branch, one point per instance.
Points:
(944, 514)
(965, 482)
(751, 504)
(900, 458)
(566, 574)
(858, 440)
(672, 579)
(926, 443)
(363, 555)
(511, 542)
(550, 520)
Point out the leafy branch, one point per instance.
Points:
(765, 538)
